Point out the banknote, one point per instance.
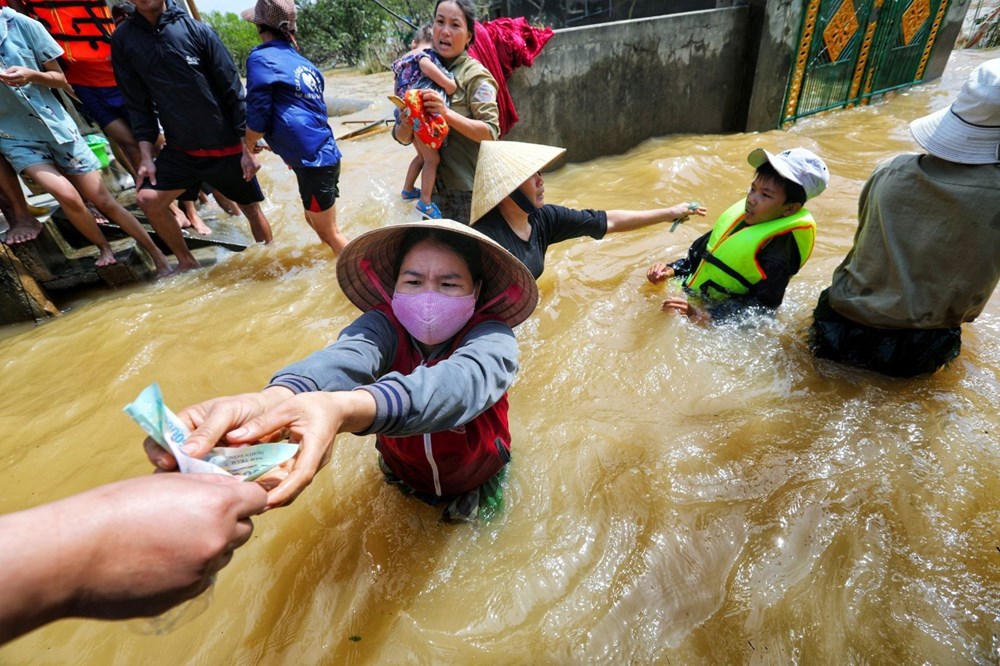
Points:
(244, 462)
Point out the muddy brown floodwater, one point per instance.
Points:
(677, 495)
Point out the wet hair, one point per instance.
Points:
(794, 193)
(469, 10)
(463, 246)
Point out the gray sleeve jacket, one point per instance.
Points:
(446, 395)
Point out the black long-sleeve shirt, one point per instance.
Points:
(179, 72)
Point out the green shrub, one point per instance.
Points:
(238, 36)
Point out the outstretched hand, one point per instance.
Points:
(313, 421)
(212, 423)
(682, 212)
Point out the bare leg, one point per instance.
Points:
(23, 227)
(156, 205)
(324, 223)
(416, 164)
(120, 135)
(65, 193)
(182, 221)
(225, 203)
(428, 174)
(259, 226)
(93, 188)
(193, 219)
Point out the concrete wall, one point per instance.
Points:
(601, 91)
(951, 28)
(778, 22)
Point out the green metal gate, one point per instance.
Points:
(851, 50)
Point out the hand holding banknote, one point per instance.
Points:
(211, 421)
(310, 420)
(247, 461)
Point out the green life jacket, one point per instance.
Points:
(729, 267)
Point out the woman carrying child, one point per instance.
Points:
(421, 69)
(285, 107)
(472, 115)
(426, 368)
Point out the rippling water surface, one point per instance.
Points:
(678, 495)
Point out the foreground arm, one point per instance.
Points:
(138, 101)
(51, 77)
(627, 220)
(259, 101)
(329, 374)
(429, 399)
(128, 549)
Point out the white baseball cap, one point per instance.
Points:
(797, 165)
(968, 131)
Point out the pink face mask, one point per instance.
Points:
(432, 317)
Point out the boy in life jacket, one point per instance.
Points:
(756, 245)
(425, 369)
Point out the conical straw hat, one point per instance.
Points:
(374, 255)
(503, 166)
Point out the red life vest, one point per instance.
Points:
(83, 29)
(448, 462)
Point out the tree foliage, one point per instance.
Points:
(337, 32)
(238, 36)
(356, 32)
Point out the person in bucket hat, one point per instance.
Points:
(508, 204)
(926, 255)
(426, 369)
(286, 108)
(744, 263)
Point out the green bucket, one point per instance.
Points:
(99, 145)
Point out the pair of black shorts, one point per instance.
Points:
(176, 170)
(902, 352)
(318, 186)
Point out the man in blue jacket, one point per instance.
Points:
(175, 72)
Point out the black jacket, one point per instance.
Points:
(180, 72)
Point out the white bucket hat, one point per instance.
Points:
(968, 131)
(797, 165)
(502, 167)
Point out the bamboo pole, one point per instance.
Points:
(193, 8)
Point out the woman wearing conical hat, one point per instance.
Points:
(425, 369)
(508, 204)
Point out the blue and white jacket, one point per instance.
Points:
(285, 104)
